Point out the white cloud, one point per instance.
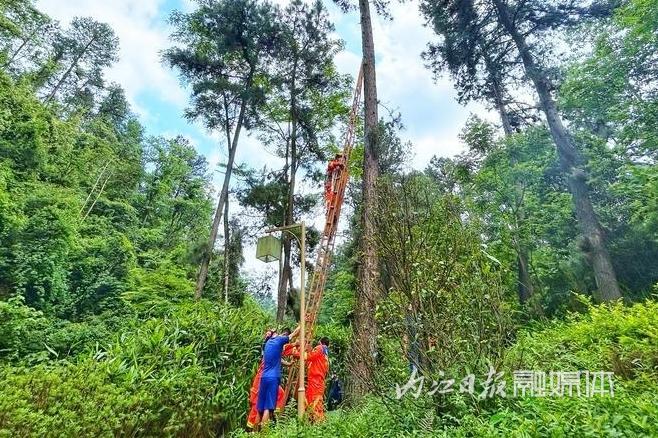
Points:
(348, 62)
(428, 146)
(142, 35)
(430, 112)
(252, 151)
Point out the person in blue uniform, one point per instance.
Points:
(271, 377)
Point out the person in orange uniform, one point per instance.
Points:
(318, 367)
(334, 168)
(253, 391)
(253, 398)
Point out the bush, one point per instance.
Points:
(29, 337)
(370, 419)
(186, 373)
(606, 338)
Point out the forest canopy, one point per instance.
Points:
(126, 305)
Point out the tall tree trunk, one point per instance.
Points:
(363, 349)
(17, 51)
(70, 69)
(292, 159)
(285, 249)
(227, 252)
(223, 198)
(525, 286)
(284, 279)
(571, 163)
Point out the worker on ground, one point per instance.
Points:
(318, 367)
(268, 390)
(334, 169)
(255, 383)
(335, 393)
(288, 350)
(252, 417)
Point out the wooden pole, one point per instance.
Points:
(301, 393)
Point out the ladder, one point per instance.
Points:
(326, 246)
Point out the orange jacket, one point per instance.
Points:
(289, 350)
(255, 384)
(318, 367)
(335, 164)
(318, 363)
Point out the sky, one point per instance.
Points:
(430, 113)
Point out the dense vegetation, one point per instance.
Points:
(511, 255)
(610, 338)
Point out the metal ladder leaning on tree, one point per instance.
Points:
(327, 241)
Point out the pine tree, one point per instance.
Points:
(226, 47)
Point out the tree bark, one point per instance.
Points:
(525, 286)
(363, 350)
(286, 273)
(284, 279)
(223, 198)
(227, 252)
(571, 164)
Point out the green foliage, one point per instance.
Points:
(339, 296)
(19, 325)
(613, 338)
(478, 135)
(223, 52)
(43, 249)
(80, 55)
(179, 374)
(371, 419)
(611, 95)
(524, 207)
(99, 236)
(515, 190)
(27, 336)
(24, 127)
(444, 297)
(81, 209)
(613, 92)
(153, 290)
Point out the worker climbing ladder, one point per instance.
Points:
(335, 198)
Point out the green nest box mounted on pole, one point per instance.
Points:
(268, 249)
